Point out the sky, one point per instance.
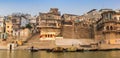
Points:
(33, 7)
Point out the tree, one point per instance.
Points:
(28, 26)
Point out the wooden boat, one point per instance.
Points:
(58, 49)
(71, 49)
(32, 49)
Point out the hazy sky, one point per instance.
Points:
(65, 6)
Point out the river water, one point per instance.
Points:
(44, 54)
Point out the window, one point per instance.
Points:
(110, 16)
(7, 26)
(111, 28)
(51, 35)
(11, 31)
(14, 20)
(107, 28)
(45, 35)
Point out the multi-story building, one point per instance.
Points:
(50, 24)
(1, 24)
(33, 22)
(2, 28)
(92, 16)
(108, 27)
(22, 34)
(80, 26)
(16, 22)
(9, 27)
(24, 22)
(68, 25)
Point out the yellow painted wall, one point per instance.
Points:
(9, 27)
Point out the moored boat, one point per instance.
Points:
(71, 49)
(32, 49)
(58, 49)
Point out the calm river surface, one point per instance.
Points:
(44, 54)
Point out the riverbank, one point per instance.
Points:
(106, 48)
(80, 44)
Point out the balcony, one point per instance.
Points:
(49, 25)
(51, 17)
(111, 20)
(106, 31)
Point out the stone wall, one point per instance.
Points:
(68, 31)
(77, 31)
(83, 32)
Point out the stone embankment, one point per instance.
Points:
(81, 44)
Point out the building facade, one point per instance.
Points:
(2, 24)
(108, 27)
(3, 35)
(9, 27)
(50, 24)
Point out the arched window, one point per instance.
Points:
(45, 35)
(51, 35)
(107, 27)
(111, 28)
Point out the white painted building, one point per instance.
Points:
(1, 24)
(33, 23)
(24, 21)
(33, 20)
(3, 35)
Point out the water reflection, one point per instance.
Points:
(10, 54)
(44, 54)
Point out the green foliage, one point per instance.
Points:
(28, 26)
